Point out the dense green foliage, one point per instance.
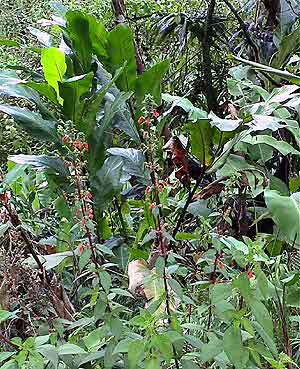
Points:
(156, 224)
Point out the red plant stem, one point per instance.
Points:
(9, 342)
(82, 205)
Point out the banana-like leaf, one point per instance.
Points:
(121, 51)
(54, 68)
(72, 91)
(88, 36)
(283, 147)
(289, 45)
(149, 83)
(42, 162)
(107, 182)
(133, 163)
(33, 123)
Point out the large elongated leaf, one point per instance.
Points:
(288, 45)
(150, 82)
(101, 137)
(42, 162)
(201, 140)
(33, 123)
(234, 349)
(88, 36)
(121, 50)
(134, 161)
(72, 91)
(54, 68)
(12, 86)
(283, 147)
(107, 182)
(44, 89)
(194, 113)
(285, 212)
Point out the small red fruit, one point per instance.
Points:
(156, 114)
(66, 139)
(250, 274)
(81, 249)
(152, 206)
(86, 147)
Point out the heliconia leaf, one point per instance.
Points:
(54, 68)
(72, 91)
(121, 50)
(106, 183)
(149, 83)
(43, 89)
(42, 162)
(88, 36)
(33, 123)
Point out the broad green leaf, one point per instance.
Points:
(211, 349)
(288, 45)
(70, 349)
(224, 125)
(33, 123)
(5, 315)
(120, 50)
(136, 352)
(201, 138)
(88, 36)
(106, 183)
(194, 113)
(152, 364)
(54, 68)
(283, 147)
(44, 89)
(105, 280)
(72, 91)
(149, 83)
(258, 309)
(293, 78)
(5, 355)
(42, 162)
(133, 163)
(234, 349)
(285, 212)
(293, 296)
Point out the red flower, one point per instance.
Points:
(152, 206)
(148, 121)
(81, 249)
(86, 147)
(78, 145)
(91, 214)
(141, 120)
(250, 274)
(156, 114)
(89, 196)
(66, 139)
